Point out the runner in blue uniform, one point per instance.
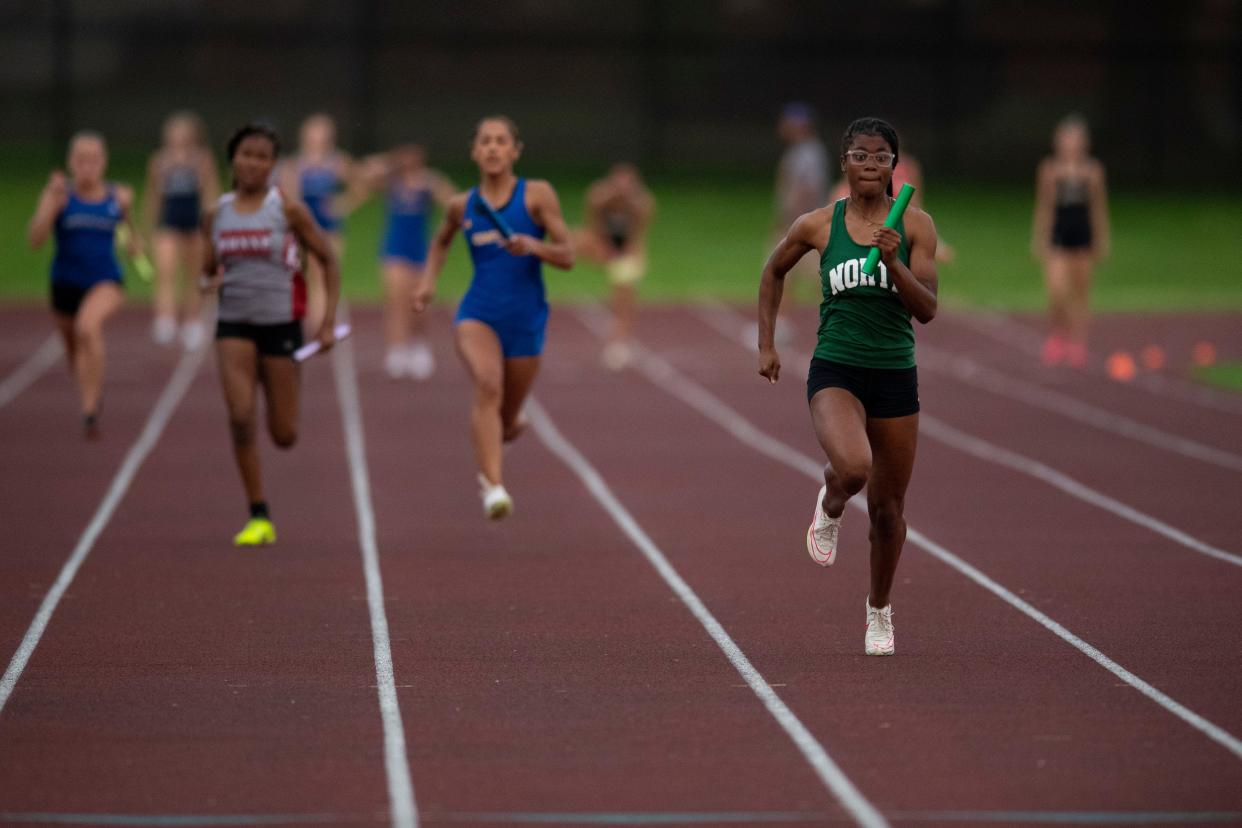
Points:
(83, 214)
(412, 191)
(501, 319)
(324, 178)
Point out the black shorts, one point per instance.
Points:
(883, 392)
(180, 213)
(270, 340)
(67, 299)
(1071, 228)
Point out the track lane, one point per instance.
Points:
(542, 665)
(931, 754)
(1105, 578)
(181, 675)
(54, 479)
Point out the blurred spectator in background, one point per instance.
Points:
(619, 208)
(802, 179)
(325, 179)
(411, 191)
(1069, 235)
(181, 179)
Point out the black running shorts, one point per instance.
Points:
(883, 392)
(270, 340)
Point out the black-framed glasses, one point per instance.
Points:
(859, 157)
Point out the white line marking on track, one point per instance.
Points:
(396, 765)
(830, 774)
(991, 453)
(35, 366)
(672, 381)
(1021, 337)
(163, 410)
(984, 450)
(730, 324)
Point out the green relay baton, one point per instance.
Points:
(894, 216)
(142, 265)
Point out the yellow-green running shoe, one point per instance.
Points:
(256, 532)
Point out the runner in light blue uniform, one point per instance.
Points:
(501, 319)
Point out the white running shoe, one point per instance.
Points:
(163, 330)
(497, 504)
(193, 335)
(617, 355)
(420, 361)
(821, 538)
(395, 363)
(879, 640)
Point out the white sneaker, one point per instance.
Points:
(163, 330)
(497, 504)
(879, 640)
(395, 363)
(420, 361)
(821, 538)
(617, 356)
(193, 335)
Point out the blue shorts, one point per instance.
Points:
(521, 334)
(410, 250)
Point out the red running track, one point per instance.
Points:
(544, 671)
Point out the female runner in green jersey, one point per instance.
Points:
(863, 383)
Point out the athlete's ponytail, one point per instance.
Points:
(873, 126)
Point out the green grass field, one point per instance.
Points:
(711, 235)
(1222, 374)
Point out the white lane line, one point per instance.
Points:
(713, 408)
(731, 324)
(830, 774)
(991, 453)
(1021, 337)
(167, 403)
(404, 812)
(35, 366)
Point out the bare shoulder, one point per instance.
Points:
(540, 189)
(208, 219)
(296, 212)
(919, 224)
(1095, 169)
(812, 228)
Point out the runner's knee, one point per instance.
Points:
(284, 436)
(241, 427)
(852, 474)
(487, 391)
(887, 518)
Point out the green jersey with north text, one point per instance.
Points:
(862, 321)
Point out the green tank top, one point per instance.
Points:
(861, 320)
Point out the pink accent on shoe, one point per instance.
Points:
(1076, 355)
(1053, 352)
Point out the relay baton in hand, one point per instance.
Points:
(894, 216)
(311, 348)
(142, 265)
(501, 224)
